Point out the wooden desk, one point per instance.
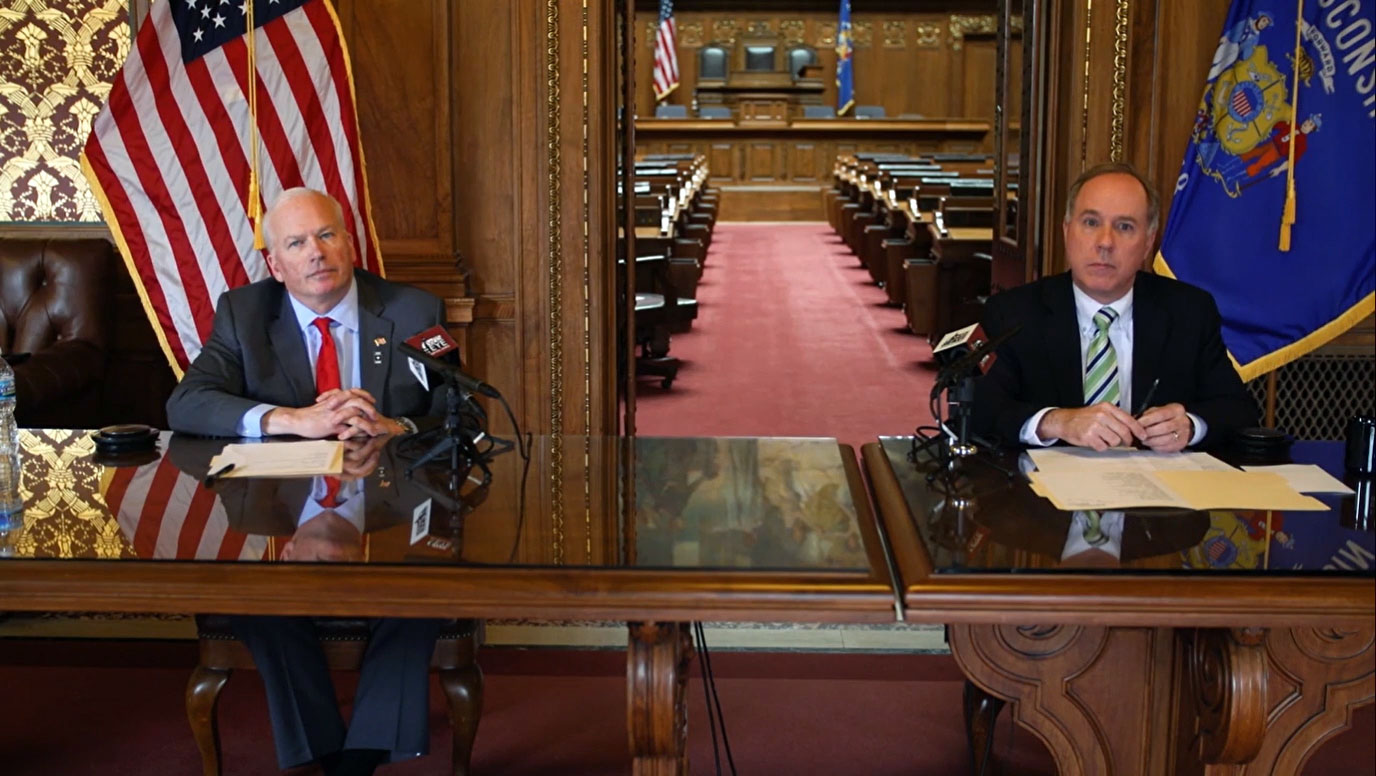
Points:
(960, 278)
(804, 150)
(1149, 668)
(698, 549)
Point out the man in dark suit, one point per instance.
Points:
(1098, 344)
(309, 353)
(256, 375)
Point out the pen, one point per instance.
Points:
(1146, 400)
(218, 473)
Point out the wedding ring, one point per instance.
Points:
(1175, 435)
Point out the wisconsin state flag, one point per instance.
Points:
(1268, 101)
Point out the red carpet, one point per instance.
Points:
(546, 712)
(792, 339)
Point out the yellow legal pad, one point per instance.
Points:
(1183, 489)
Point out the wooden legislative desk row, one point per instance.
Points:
(1145, 667)
(801, 151)
(675, 212)
(923, 228)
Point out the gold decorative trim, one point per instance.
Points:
(1084, 86)
(689, 34)
(556, 281)
(895, 34)
(724, 30)
(826, 35)
(862, 33)
(963, 24)
(794, 31)
(760, 28)
(587, 305)
(928, 35)
(1120, 81)
(651, 31)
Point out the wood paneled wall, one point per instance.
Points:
(490, 162)
(937, 62)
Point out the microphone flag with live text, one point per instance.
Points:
(1286, 98)
(429, 347)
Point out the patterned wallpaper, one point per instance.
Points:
(57, 59)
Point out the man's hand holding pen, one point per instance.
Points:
(1168, 429)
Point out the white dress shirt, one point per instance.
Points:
(344, 331)
(1120, 336)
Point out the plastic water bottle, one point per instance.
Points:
(11, 505)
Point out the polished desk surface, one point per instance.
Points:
(731, 525)
(982, 541)
(964, 233)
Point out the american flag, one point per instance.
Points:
(165, 514)
(666, 51)
(169, 157)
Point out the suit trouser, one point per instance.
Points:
(391, 705)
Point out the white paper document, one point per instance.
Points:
(1306, 477)
(1081, 459)
(281, 459)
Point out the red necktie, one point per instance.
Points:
(327, 379)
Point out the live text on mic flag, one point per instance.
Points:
(169, 157)
(1222, 232)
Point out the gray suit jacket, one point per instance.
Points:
(256, 355)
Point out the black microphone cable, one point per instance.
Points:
(523, 444)
(709, 689)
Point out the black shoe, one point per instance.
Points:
(357, 762)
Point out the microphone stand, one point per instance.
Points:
(454, 440)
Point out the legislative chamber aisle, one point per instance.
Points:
(792, 339)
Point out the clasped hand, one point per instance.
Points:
(338, 413)
(1165, 429)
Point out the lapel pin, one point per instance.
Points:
(377, 356)
(379, 341)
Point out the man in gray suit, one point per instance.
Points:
(256, 374)
(310, 352)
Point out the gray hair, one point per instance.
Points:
(297, 193)
(1118, 168)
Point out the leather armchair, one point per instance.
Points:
(93, 358)
(55, 306)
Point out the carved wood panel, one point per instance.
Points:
(902, 58)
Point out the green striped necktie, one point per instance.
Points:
(1101, 363)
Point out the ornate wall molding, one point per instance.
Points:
(1084, 86)
(794, 31)
(895, 34)
(864, 34)
(725, 30)
(826, 35)
(962, 25)
(759, 28)
(1120, 80)
(555, 279)
(689, 34)
(928, 35)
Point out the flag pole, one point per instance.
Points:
(1287, 218)
(255, 207)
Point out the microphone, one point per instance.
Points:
(428, 346)
(971, 349)
(958, 343)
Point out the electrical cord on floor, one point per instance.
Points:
(709, 686)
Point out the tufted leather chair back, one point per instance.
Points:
(93, 358)
(54, 290)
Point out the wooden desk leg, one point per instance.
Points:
(1264, 701)
(656, 700)
(1149, 701)
(1084, 691)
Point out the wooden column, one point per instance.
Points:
(656, 700)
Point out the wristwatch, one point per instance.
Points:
(406, 423)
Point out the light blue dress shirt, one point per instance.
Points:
(344, 331)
